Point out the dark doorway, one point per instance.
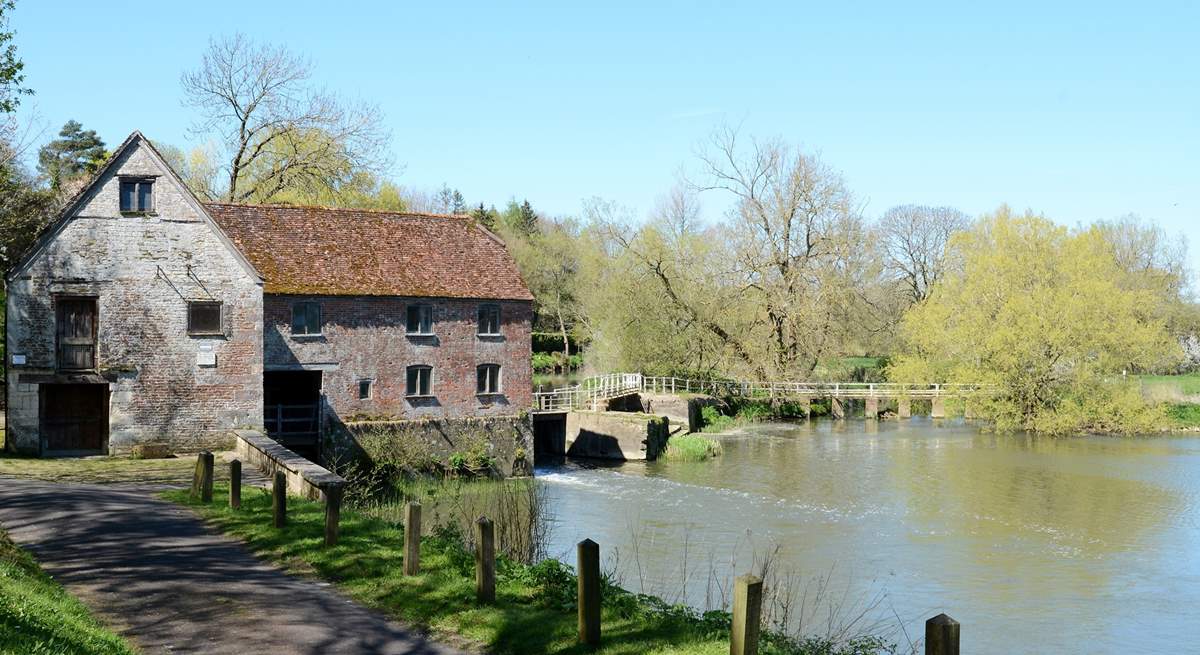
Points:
(549, 438)
(292, 409)
(74, 418)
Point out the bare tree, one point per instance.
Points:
(913, 239)
(795, 233)
(279, 133)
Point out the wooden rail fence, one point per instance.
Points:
(941, 631)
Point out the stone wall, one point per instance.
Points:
(142, 270)
(363, 338)
(429, 444)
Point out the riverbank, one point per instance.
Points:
(534, 608)
(39, 616)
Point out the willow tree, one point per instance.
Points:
(1045, 318)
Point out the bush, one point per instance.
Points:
(543, 362)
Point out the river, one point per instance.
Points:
(1081, 545)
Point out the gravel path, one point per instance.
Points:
(154, 572)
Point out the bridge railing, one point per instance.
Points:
(593, 392)
(655, 384)
(589, 393)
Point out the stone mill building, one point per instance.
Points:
(143, 315)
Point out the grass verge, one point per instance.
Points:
(534, 610)
(692, 448)
(37, 617)
(103, 470)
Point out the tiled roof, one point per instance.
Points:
(350, 252)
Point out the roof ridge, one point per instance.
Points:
(392, 212)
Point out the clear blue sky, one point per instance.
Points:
(1078, 110)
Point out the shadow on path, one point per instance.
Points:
(158, 575)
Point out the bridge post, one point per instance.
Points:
(835, 408)
(872, 409)
(904, 407)
(806, 403)
(938, 408)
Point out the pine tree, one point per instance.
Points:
(485, 216)
(76, 152)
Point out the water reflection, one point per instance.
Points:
(1036, 545)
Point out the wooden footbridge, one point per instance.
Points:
(595, 392)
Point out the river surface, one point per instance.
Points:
(1082, 545)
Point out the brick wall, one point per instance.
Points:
(142, 270)
(364, 338)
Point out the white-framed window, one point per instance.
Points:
(366, 388)
(419, 319)
(419, 381)
(487, 379)
(489, 320)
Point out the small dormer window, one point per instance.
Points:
(137, 194)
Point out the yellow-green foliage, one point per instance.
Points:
(1045, 315)
(38, 618)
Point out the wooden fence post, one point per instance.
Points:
(747, 615)
(333, 513)
(235, 484)
(485, 561)
(588, 563)
(412, 539)
(941, 636)
(204, 471)
(197, 474)
(279, 498)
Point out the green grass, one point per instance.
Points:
(1184, 415)
(104, 470)
(1170, 388)
(692, 448)
(37, 617)
(534, 610)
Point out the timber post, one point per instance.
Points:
(279, 499)
(235, 484)
(412, 539)
(747, 615)
(207, 476)
(485, 560)
(941, 636)
(333, 513)
(588, 562)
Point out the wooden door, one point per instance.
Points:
(76, 328)
(74, 417)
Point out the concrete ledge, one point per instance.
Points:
(304, 478)
(616, 435)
